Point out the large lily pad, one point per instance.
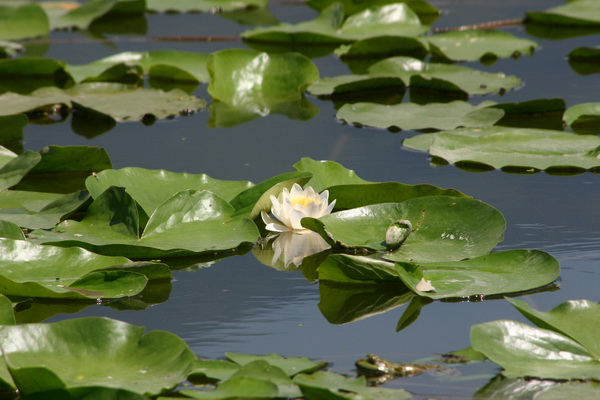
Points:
(443, 228)
(89, 352)
(574, 13)
(257, 83)
(358, 195)
(24, 75)
(77, 15)
(407, 71)
(330, 28)
(192, 63)
(16, 167)
(421, 7)
(511, 147)
(533, 352)
(503, 272)
(141, 184)
(120, 102)
(202, 5)
(31, 270)
(190, 222)
(327, 385)
(19, 21)
(576, 319)
(327, 173)
(38, 209)
(472, 45)
(414, 116)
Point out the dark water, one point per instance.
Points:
(240, 305)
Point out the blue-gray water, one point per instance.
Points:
(240, 305)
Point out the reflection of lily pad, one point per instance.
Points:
(511, 147)
(343, 304)
(414, 116)
(190, 222)
(585, 60)
(90, 352)
(444, 228)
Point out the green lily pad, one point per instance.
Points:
(240, 387)
(584, 60)
(7, 314)
(473, 45)
(190, 222)
(342, 304)
(539, 113)
(503, 272)
(443, 228)
(327, 173)
(120, 102)
(141, 183)
(202, 5)
(63, 273)
(584, 118)
(421, 7)
(406, 71)
(194, 64)
(576, 319)
(413, 116)
(255, 199)
(574, 13)
(533, 352)
(358, 195)
(88, 352)
(511, 148)
(213, 370)
(327, 385)
(256, 83)
(291, 366)
(503, 388)
(14, 170)
(19, 21)
(77, 15)
(24, 75)
(330, 28)
(39, 210)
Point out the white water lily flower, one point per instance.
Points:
(291, 206)
(425, 286)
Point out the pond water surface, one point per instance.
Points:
(241, 305)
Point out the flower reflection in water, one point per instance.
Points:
(289, 249)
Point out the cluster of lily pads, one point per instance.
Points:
(75, 230)
(118, 215)
(384, 46)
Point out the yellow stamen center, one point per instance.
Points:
(303, 201)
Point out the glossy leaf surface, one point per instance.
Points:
(413, 116)
(88, 352)
(444, 228)
(511, 147)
